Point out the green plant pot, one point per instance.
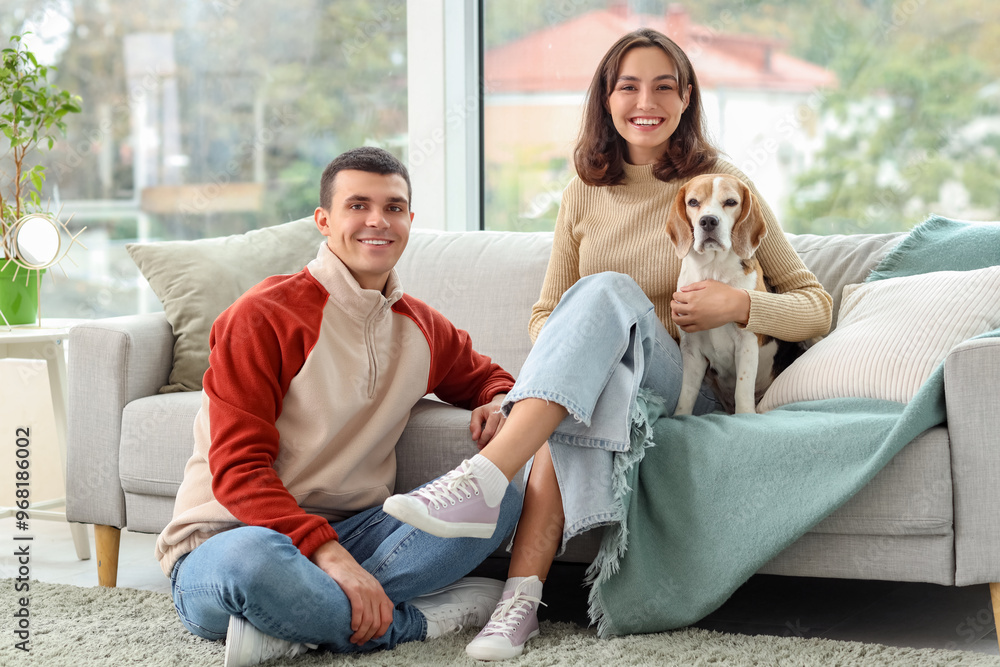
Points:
(18, 301)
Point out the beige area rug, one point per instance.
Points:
(76, 627)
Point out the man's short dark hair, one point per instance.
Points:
(365, 158)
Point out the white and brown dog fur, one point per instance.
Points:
(715, 224)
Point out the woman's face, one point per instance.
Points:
(645, 104)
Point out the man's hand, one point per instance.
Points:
(371, 608)
(487, 420)
(708, 304)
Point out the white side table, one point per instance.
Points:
(47, 342)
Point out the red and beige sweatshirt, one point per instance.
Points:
(310, 382)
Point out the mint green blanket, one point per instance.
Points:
(941, 244)
(717, 496)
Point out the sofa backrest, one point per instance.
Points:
(838, 260)
(484, 282)
(487, 282)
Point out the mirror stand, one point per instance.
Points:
(34, 243)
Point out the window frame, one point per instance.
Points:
(445, 112)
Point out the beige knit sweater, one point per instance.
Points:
(623, 228)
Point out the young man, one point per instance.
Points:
(278, 540)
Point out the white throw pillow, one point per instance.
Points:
(890, 336)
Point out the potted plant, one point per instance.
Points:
(31, 113)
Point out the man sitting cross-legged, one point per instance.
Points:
(278, 541)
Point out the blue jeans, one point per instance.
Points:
(259, 574)
(600, 345)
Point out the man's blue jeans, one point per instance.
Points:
(259, 574)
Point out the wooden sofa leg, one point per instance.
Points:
(106, 541)
(995, 595)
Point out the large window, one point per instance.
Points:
(856, 116)
(202, 118)
(210, 117)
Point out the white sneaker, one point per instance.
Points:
(512, 624)
(464, 604)
(246, 645)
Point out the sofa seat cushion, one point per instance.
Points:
(911, 495)
(157, 441)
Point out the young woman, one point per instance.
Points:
(611, 317)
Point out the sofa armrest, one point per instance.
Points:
(111, 363)
(972, 393)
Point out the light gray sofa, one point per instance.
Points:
(929, 516)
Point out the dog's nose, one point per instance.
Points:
(708, 222)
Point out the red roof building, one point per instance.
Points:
(563, 57)
(761, 104)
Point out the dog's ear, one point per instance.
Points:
(678, 226)
(750, 229)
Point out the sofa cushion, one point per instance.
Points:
(898, 527)
(197, 280)
(891, 334)
(484, 282)
(839, 260)
(911, 495)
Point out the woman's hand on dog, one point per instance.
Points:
(708, 304)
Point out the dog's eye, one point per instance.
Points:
(693, 202)
(730, 202)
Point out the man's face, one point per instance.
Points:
(368, 224)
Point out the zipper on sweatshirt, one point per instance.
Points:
(370, 343)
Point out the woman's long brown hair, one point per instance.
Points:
(600, 151)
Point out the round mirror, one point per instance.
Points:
(37, 241)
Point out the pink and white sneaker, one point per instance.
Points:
(453, 505)
(513, 623)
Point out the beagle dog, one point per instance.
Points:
(715, 224)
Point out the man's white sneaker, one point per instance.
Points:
(451, 506)
(464, 604)
(512, 624)
(246, 645)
